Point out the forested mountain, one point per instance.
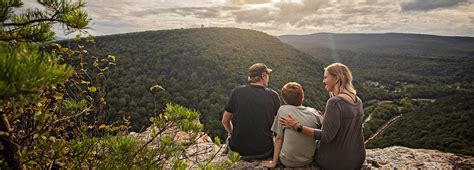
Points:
(393, 72)
(198, 68)
(389, 43)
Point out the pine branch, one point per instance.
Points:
(32, 21)
(53, 17)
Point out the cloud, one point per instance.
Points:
(284, 16)
(309, 16)
(427, 5)
(248, 1)
(263, 15)
(198, 12)
(281, 13)
(322, 14)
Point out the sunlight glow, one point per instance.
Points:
(286, 1)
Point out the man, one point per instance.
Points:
(249, 115)
(297, 150)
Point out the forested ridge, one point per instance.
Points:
(393, 66)
(387, 43)
(446, 125)
(198, 68)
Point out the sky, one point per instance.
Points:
(280, 17)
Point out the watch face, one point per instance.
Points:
(299, 129)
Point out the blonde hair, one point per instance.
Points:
(344, 76)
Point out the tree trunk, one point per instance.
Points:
(11, 151)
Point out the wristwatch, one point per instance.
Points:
(299, 128)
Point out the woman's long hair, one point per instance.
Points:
(344, 76)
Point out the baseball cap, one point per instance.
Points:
(257, 70)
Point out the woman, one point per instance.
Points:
(341, 140)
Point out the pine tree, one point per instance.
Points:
(25, 71)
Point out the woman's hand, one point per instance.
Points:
(289, 122)
(268, 164)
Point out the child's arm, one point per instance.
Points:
(276, 153)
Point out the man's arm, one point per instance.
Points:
(226, 117)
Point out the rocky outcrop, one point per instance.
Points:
(198, 153)
(390, 157)
(403, 157)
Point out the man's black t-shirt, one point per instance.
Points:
(253, 109)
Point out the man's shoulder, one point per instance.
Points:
(240, 88)
(271, 91)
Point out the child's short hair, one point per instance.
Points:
(292, 93)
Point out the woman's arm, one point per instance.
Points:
(331, 123)
(292, 123)
(330, 127)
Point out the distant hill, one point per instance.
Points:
(411, 65)
(389, 43)
(198, 68)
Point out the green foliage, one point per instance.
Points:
(118, 151)
(217, 140)
(6, 8)
(179, 164)
(233, 157)
(56, 118)
(24, 71)
(378, 116)
(73, 106)
(82, 149)
(188, 119)
(446, 125)
(402, 74)
(43, 105)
